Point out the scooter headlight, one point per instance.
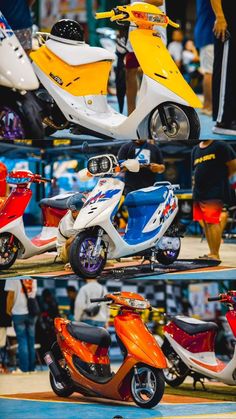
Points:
(93, 167)
(139, 304)
(100, 165)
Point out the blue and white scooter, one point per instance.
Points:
(151, 213)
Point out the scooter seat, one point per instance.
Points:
(197, 326)
(90, 334)
(57, 201)
(147, 196)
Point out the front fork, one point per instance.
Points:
(97, 248)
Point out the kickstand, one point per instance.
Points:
(200, 380)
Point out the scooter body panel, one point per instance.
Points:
(15, 70)
(157, 64)
(197, 352)
(14, 206)
(139, 342)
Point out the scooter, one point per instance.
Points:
(79, 360)
(151, 213)
(14, 242)
(189, 347)
(76, 75)
(19, 111)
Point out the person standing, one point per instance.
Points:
(5, 321)
(224, 69)
(142, 150)
(24, 323)
(71, 293)
(214, 171)
(204, 41)
(86, 312)
(18, 15)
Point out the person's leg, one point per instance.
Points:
(223, 220)
(214, 239)
(19, 322)
(207, 92)
(31, 341)
(212, 211)
(131, 88)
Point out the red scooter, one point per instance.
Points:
(189, 347)
(14, 242)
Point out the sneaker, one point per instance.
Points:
(223, 129)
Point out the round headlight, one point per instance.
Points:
(93, 166)
(104, 164)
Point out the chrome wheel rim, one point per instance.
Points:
(144, 391)
(178, 121)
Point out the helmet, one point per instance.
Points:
(75, 202)
(68, 31)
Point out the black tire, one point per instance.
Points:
(76, 262)
(175, 375)
(25, 110)
(192, 131)
(61, 389)
(4, 238)
(157, 381)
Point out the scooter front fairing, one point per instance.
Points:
(157, 64)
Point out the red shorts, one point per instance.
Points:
(131, 61)
(208, 211)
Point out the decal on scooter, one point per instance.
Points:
(102, 196)
(5, 29)
(56, 78)
(167, 211)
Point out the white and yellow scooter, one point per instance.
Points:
(76, 76)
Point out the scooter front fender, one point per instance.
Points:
(157, 63)
(139, 342)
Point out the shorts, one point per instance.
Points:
(25, 38)
(3, 336)
(131, 61)
(207, 58)
(208, 211)
(63, 253)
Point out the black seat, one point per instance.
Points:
(58, 201)
(194, 328)
(90, 334)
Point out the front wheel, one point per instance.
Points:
(82, 258)
(171, 121)
(8, 250)
(147, 386)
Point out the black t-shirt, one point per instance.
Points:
(211, 172)
(229, 10)
(144, 178)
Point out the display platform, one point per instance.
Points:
(47, 405)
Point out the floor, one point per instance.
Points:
(29, 396)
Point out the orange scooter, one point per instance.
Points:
(79, 360)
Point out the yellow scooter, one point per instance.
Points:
(76, 76)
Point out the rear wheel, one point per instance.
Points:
(177, 371)
(147, 386)
(8, 250)
(82, 260)
(180, 122)
(61, 389)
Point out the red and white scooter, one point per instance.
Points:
(14, 242)
(189, 347)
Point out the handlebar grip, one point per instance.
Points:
(171, 23)
(104, 15)
(218, 298)
(99, 300)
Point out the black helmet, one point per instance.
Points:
(68, 31)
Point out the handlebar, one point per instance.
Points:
(218, 298)
(105, 15)
(100, 300)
